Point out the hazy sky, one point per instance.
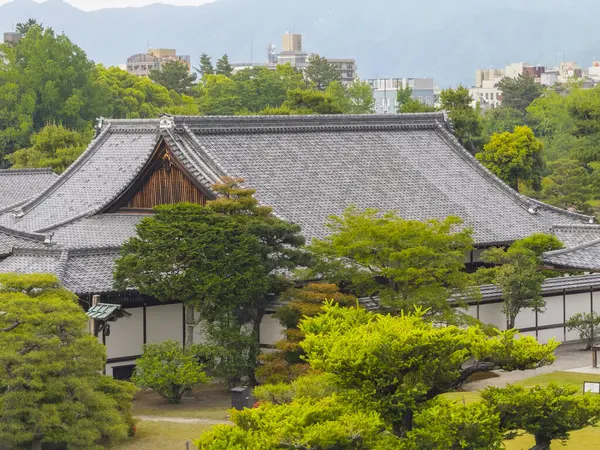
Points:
(98, 4)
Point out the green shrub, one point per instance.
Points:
(169, 370)
(588, 327)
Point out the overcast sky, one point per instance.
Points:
(98, 4)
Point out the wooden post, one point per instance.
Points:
(595, 357)
(95, 301)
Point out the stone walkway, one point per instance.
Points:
(569, 357)
(189, 420)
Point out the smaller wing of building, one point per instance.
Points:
(17, 186)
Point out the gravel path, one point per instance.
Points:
(183, 420)
(568, 356)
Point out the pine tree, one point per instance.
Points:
(223, 67)
(206, 67)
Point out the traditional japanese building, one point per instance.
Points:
(307, 168)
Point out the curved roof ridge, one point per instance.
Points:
(23, 234)
(24, 251)
(35, 171)
(201, 150)
(342, 122)
(576, 226)
(524, 201)
(565, 251)
(70, 170)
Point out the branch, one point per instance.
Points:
(10, 328)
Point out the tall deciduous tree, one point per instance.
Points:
(23, 28)
(360, 96)
(405, 103)
(465, 119)
(306, 101)
(174, 75)
(321, 72)
(54, 146)
(569, 185)
(186, 252)
(515, 157)
(52, 390)
(518, 93)
(404, 262)
(516, 273)
(223, 67)
(44, 78)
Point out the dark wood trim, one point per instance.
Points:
(541, 328)
(269, 346)
(122, 359)
(144, 325)
(184, 325)
(564, 315)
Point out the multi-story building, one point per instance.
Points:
(346, 68)
(292, 53)
(385, 92)
(143, 63)
(12, 37)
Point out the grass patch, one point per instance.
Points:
(163, 436)
(205, 402)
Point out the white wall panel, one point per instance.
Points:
(577, 303)
(545, 335)
(553, 313)
(525, 319)
(271, 330)
(126, 335)
(492, 314)
(164, 322)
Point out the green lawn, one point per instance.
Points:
(205, 402)
(588, 438)
(163, 436)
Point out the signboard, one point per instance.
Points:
(592, 387)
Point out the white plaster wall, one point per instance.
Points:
(553, 314)
(596, 296)
(164, 322)
(577, 303)
(545, 335)
(525, 319)
(126, 335)
(271, 330)
(492, 314)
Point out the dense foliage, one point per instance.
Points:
(286, 364)
(168, 369)
(546, 412)
(379, 387)
(588, 327)
(52, 390)
(406, 263)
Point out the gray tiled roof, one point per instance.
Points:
(550, 285)
(575, 235)
(103, 230)
(584, 256)
(83, 271)
(90, 271)
(10, 239)
(19, 185)
(310, 168)
(104, 171)
(306, 168)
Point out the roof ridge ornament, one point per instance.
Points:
(166, 122)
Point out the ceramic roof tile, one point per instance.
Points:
(585, 256)
(575, 235)
(19, 185)
(103, 230)
(308, 173)
(108, 166)
(90, 271)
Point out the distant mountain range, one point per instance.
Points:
(443, 39)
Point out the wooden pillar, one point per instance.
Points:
(144, 329)
(95, 301)
(183, 324)
(564, 315)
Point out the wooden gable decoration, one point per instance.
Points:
(164, 181)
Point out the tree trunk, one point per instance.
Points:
(510, 322)
(541, 443)
(36, 444)
(190, 322)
